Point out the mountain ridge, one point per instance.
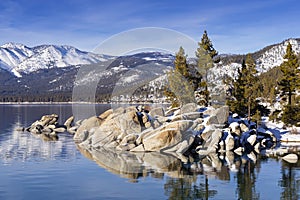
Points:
(18, 58)
(27, 81)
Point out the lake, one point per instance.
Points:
(31, 168)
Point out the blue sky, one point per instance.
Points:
(234, 26)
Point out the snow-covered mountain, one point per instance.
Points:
(50, 70)
(18, 58)
(266, 59)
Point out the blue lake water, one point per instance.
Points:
(31, 168)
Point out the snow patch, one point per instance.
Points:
(16, 73)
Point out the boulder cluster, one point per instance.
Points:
(186, 131)
(48, 127)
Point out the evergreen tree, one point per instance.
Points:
(238, 104)
(180, 90)
(206, 55)
(291, 75)
(251, 83)
(207, 45)
(246, 89)
(288, 84)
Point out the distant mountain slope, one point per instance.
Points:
(266, 59)
(49, 72)
(116, 76)
(18, 58)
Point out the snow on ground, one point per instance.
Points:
(16, 73)
(130, 78)
(291, 134)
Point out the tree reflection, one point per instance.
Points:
(246, 179)
(289, 183)
(188, 188)
(189, 178)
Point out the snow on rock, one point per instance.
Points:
(290, 137)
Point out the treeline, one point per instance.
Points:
(249, 90)
(49, 97)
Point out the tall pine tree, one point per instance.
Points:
(251, 84)
(180, 90)
(289, 83)
(238, 104)
(206, 55)
(207, 45)
(291, 74)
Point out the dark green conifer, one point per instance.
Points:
(246, 89)
(290, 80)
(251, 91)
(289, 83)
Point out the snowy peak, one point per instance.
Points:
(18, 58)
(12, 54)
(12, 45)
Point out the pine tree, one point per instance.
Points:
(251, 83)
(181, 63)
(180, 90)
(238, 104)
(288, 84)
(246, 89)
(207, 45)
(291, 75)
(206, 55)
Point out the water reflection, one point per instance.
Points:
(188, 187)
(289, 182)
(216, 176)
(24, 146)
(246, 179)
(190, 179)
(134, 165)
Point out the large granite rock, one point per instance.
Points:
(113, 130)
(86, 126)
(157, 112)
(188, 108)
(222, 114)
(171, 137)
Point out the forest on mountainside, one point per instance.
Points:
(250, 91)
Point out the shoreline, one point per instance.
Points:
(71, 102)
(276, 125)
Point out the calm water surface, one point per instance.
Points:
(31, 168)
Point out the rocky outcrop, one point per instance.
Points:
(131, 129)
(47, 127)
(185, 131)
(137, 129)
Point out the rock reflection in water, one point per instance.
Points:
(289, 181)
(135, 165)
(23, 146)
(190, 179)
